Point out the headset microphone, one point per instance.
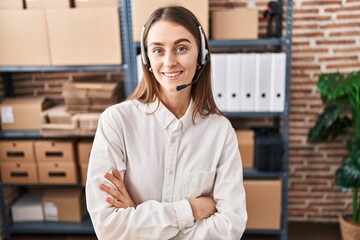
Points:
(181, 87)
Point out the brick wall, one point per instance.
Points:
(325, 39)
(326, 36)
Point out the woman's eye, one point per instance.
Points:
(158, 51)
(181, 49)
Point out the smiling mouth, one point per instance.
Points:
(172, 74)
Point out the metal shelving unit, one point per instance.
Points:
(277, 43)
(85, 227)
(130, 50)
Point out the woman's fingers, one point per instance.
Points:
(116, 181)
(121, 198)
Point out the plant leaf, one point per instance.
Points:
(330, 124)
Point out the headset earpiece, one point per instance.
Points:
(142, 45)
(203, 51)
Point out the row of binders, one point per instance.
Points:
(247, 82)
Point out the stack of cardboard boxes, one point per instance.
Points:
(85, 97)
(44, 161)
(48, 32)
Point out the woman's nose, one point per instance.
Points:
(170, 59)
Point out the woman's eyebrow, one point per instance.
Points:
(176, 42)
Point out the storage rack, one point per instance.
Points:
(84, 227)
(129, 52)
(279, 44)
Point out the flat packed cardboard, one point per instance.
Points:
(24, 173)
(56, 114)
(58, 172)
(141, 11)
(66, 205)
(246, 147)
(87, 121)
(28, 208)
(23, 42)
(11, 4)
(246, 27)
(263, 204)
(84, 149)
(88, 36)
(96, 3)
(83, 168)
(47, 4)
(55, 151)
(17, 151)
(23, 113)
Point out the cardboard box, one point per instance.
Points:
(263, 204)
(246, 147)
(11, 4)
(83, 169)
(55, 151)
(47, 4)
(17, 151)
(15, 113)
(56, 114)
(88, 36)
(66, 205)
(222, 23)
(28, 208)
(24, 173)
(58, 173)
(84, 150)
(96, 3)
(25, 41)
(141, 11)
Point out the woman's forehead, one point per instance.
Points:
(165, 31)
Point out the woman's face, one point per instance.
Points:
(173, 53)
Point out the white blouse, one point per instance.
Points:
(165, 161)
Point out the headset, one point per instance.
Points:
(203, 58)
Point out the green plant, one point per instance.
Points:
(341, 116)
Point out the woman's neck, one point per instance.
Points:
(176, 103)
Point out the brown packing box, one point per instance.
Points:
(66, 205)
(11, 4)
(24, 173)
(58, 172)
(263, 204)
(84, 149)
(16, 112)
(222, 22)
(55, 151)
(83, 168)
(23, 42)
(87, 121)
(56, 114)
(141, 11)
(88, 36)
(46, 4)
(246, 147)
(17, 151)
(96, 3)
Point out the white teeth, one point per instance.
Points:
(172, 74)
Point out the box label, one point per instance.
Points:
(7, 115)
(51, 212)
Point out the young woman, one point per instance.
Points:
(165, 163)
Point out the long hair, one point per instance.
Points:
(149, 89)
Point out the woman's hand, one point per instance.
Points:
(121, 198)
(202, 207)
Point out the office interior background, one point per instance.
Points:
(324, 38)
